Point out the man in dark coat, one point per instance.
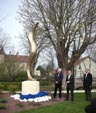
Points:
(58, 76)
(70, 85)
(87, 84)
(91, 108)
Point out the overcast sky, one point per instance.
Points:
(8, 14)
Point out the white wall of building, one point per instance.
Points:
(87, 63)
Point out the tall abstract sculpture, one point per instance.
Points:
(31, 38)
(31, 86)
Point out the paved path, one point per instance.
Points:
(64, 91)
(76, 91)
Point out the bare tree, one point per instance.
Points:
(12, 69)
(5, 43)
(50, 57)
(69, 25)
(9, 70)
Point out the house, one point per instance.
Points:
(83, 63)
(79, 69)
(21, 60)
(1, 55)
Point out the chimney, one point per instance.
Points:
(9, 52)
(17, 54)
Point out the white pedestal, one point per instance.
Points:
(30, 87)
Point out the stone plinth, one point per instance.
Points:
(30, 87)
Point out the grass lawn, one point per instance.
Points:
(76, 106)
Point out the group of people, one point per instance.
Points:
(58, 78)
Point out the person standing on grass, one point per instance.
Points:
(87, 84)
(70, 85)
(58, 76)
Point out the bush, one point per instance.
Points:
(21, 76)
(1, 87)
(3, 100)
(12, 88)
(2, 106)
(7, 84)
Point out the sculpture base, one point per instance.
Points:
(30, 87)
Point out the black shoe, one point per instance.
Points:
(60, 97)
(66, 99)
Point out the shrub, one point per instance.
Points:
(3, 100)
(7, 85)
(21, 76)
(2, 106)
(1, 87)
(12, 88)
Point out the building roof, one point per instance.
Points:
(16, 58)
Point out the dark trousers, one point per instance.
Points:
(88, 109)
(72, 94)
(88, 94)
(57, 86)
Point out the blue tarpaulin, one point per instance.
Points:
(32, 96)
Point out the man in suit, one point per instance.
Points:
(58, 76)
(87, 84)
(91, 108)
(70, 85)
